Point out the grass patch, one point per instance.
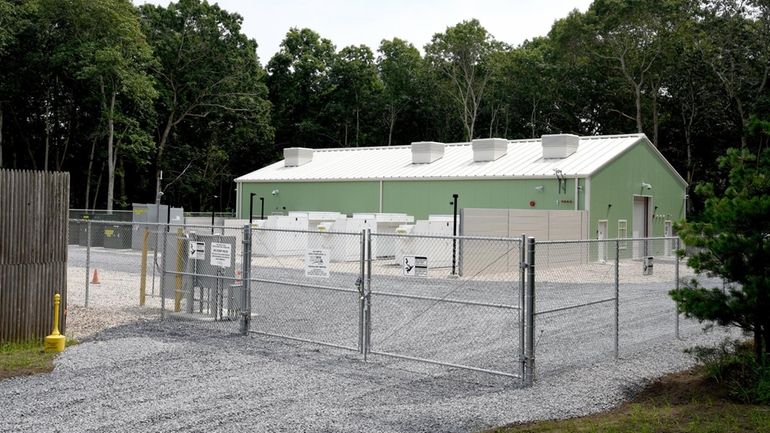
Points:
(687, 402)
(21, 359)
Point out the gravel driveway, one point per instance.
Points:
(152, 376)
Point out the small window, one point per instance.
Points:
(622, 233)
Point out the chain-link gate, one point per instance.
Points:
(470, 303)
(452, 301)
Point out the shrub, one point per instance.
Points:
(732, 365)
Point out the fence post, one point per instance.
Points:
(676, 287)
(530, 371)
(162, 233)
(88, 259)
(522, 277)
(368, 296)
(360, 288)
(617, 298)
(246, 281)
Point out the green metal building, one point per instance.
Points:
(622, 182)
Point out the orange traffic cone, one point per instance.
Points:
(95, 279)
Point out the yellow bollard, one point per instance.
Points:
(55, 341)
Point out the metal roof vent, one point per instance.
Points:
(296, 156)
(559, 145)
(425, 152)
(489, 149)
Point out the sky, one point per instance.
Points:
(367, 22)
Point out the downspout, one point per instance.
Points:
(238, 199)
(380, 211)
(577, 198)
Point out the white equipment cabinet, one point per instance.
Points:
(438, 251)
(280, 243)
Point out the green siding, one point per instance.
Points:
(421, 198)
(345, 197)
(618, 182)
(417, 198)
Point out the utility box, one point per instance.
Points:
(117, 236)
(647, 263)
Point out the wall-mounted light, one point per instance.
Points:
(646, 185)
(539, 188)
(275, 192)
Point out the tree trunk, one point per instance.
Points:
(638, 94)
(391, 124)
(98, 185)
(111, 153)
(47, 141)
(1, 134)
(739, 104)
(358, 124)
(161, 146)
(88, 173)
(655, 125)
(122, 174)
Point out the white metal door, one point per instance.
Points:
(667, 232)
(640, 227)
(601, 234)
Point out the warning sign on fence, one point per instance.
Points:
(415, 266)
(197, 250)
(220, 254)
(317, 263)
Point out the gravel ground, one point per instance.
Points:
(133, 372)
(176, 376)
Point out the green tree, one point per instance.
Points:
(106, 48)
(734, 39)
(206, 68)
(356, 87)
(461, 54)
(733, 235)
(300, 84)
(399, 65)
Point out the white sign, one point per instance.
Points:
(415, 266)
(317, 263)
(220, 254)
(197, 250)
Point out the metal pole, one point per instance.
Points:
(88, 259)
(617, 298)
(213, 207)
(454, 235)
(676, 287)
(530, 308)
(360, 287)
(262, 210)
(246, 281)
(162, 270)
(522, 288)
(251, 207)
(368, 308)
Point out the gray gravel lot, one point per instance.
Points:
(148, 376)
(178, 376)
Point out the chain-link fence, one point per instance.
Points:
(110, 263)
(306, 285)
(485, 304)
(448, 301)
(604, 299)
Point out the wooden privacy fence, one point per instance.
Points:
(33, 251)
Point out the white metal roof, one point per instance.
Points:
(523, 160)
